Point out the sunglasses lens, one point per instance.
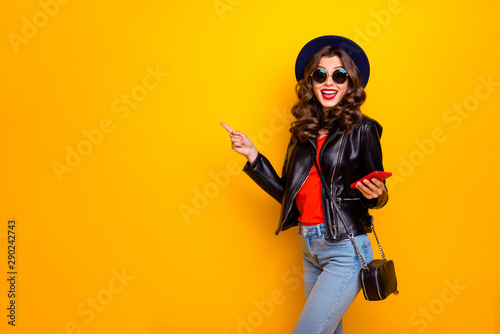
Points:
(319, 76)
(339, 76)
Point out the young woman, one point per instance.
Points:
(330, 132)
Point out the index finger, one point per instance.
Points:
(227, 127)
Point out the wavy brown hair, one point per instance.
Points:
(308, 111)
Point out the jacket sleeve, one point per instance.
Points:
(373, 161)
(263, 173)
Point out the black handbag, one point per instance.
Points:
(378, 278)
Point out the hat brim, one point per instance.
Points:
(338, 42)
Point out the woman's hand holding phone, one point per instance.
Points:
(371, 186)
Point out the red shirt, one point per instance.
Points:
(308, 198)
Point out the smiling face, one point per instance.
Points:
(330, 93)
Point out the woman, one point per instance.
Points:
(330, 132)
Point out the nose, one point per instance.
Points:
(329, 81)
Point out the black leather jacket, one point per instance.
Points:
(343, 160)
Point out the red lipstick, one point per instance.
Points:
(329, 94)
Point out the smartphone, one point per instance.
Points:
(376, 174)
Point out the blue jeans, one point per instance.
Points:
(331, 278)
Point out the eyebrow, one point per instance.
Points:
(342, 67)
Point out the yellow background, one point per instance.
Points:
(159, 199)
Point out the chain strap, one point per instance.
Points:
(378, 242)
(351, 236)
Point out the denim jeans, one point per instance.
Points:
(331, 278)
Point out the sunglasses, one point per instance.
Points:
(339, 76)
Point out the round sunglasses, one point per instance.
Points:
(339, 76)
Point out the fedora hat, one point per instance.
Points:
(338, 42)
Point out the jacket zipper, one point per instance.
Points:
(335, 230)
(340, 199)
(293, 198)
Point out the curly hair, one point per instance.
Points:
(308, 111)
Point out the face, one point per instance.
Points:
(330, 93)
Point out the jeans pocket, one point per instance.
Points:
(338, 243)
(367, 251)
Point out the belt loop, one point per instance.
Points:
(318, 228)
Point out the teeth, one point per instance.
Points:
(328, 92)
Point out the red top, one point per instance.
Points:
(308, 198)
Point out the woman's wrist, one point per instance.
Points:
(252, 155)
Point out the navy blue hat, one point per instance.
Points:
(352, 49)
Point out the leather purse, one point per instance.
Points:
(378, 278)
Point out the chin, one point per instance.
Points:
(329, 104)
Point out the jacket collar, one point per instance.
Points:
(328, 139)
